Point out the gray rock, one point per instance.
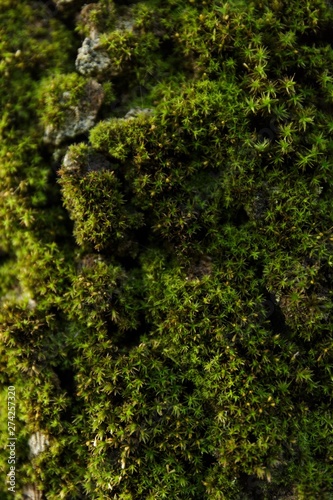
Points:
(125, 21)
(92, 161)
(31, 492)
(78, 119)
(92, 60)
(38, 443)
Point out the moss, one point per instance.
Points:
(58, 94)
(166, 272)
(96, 18)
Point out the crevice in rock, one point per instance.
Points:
(66, 379)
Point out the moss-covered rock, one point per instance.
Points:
(166, 248)
(69, 105)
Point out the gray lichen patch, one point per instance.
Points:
(92, 60)
(78, 118)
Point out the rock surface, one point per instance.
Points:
(38, 443)
(93, 162)
(91, 59)
(78, 119)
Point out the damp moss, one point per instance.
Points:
(166, 298)
(58, 94)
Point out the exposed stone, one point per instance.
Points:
(92, 60)
(125, 21)
(91, 162)
(85, 18)
(31, 492)
(78, 119)
(38, 443)
(57, 156)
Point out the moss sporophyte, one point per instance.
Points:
(166, 242)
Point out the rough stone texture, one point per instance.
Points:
(91, 59)
(30, 492)
(37, 443)
(85, 19)
(78, 119)
(126, 20)
(93, 162)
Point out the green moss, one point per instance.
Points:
(99, 17)
(58, 94)
(166, 298)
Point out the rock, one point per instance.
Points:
(38, 443)
(89, 162)
(91, 59)
(58, 156)
(96, 18)
(86, 19)
(126, 20)
(31, 492)
(78, 119)
(18, 297)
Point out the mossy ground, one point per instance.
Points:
(166, 290)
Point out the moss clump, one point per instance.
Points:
(58, 94)
(99, 209)
(166, 301)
